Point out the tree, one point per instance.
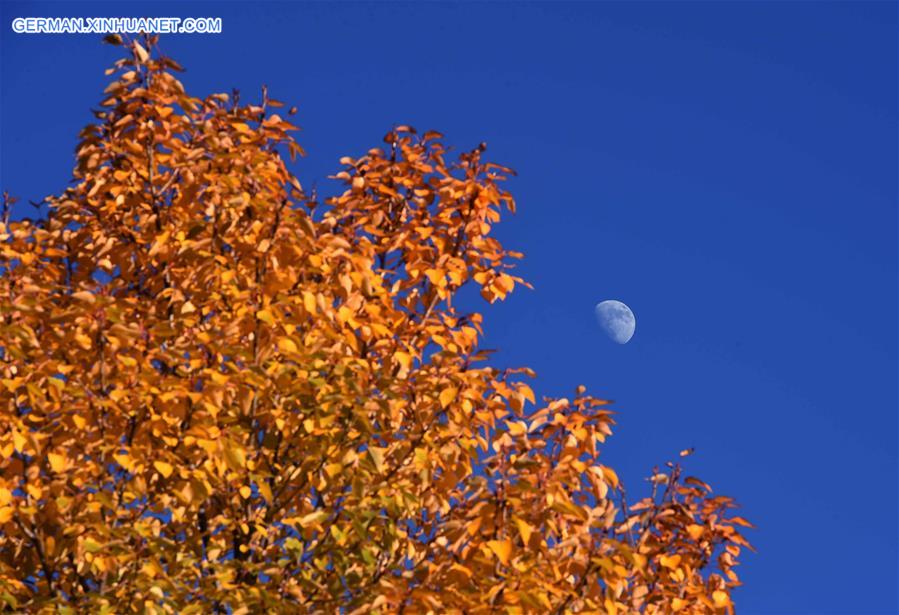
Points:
(219, 395)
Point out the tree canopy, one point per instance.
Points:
(222, 394)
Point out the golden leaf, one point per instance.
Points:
(163, 468)
(85, 296)
(695, 531)
(377, 455)
(140, 52)
(721, 598)
(313, 518)
(287, 345)
(235, 456)
(403, 358)
(502, 549)
(309, 301)
(524, 529)
(57, 461)
(447, 396)
(610, 475)
(672, 561)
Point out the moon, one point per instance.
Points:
(617, 320)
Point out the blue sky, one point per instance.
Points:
(729, 170)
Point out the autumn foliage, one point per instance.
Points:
(221, 395)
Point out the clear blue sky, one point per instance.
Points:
(727, 169)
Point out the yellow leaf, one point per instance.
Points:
(527, 392)
(287, 345)
(245, 492)
(309, 301)
(57, 462)
(670, 562)
(12, 384)
(474, 525)
(502, 549)
(150, 569)
(517, 428)
(721, 598)
(377, 455)
(6, 513)
(164, 468)
(19, 441)
(740, 521)
(235, 457)
(403, 358)
(435, 276)
(313, 518)
(505, 282)
(159, 243)
(140, 52)
(610, 476)
(124, 461)
(266, 317)
(524, 529)
(188, 307)
(447, 396)
(85, 296)
(695, 531)
(611, 607)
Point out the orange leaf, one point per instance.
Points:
(502, 549)
(721, 598)
(57, 461)
(447, 396)
(164, 468)
(524, 529)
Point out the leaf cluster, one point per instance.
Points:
(220, 395)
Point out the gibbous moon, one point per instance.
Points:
(617, 320)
